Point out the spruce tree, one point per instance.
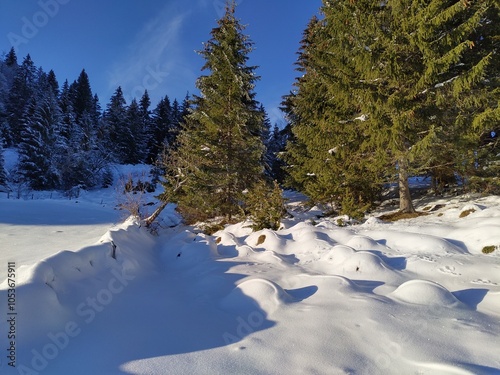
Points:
(135, 145)
(82, 96)
(22, 91)
(8, 70)
(11, 58)
(179, 111)
(4, 89)
(160, 124)
(275, 150)
(220, 147)
(326, 152)
(3, 175)
(397, 87)
(38, 142)
(118, 133)
(439, 83)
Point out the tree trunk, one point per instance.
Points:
(405, 202)
(149, 220)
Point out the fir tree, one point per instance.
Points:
(179, 111)
(38, 143)
(118, 133)
(83, 100)
(146, 124)
(220, 147)
(438, 83)
(8, 70)
(11, 58)
(3, 175)
(52, 83)
(22, 91)
(160, 125)
(397, 83)
(67, 111)
(324, 154)
(275, 150)
(82, 157)
(134, 151)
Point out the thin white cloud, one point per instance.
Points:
(152, 56)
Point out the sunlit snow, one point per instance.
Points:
(413, 297)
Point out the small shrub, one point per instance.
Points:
(489, 249)
(402, 215)
(212, 226)
(107, 178)
(485, 185)
(261, 239)
(466, 213)
(266, 206)
(131, 199)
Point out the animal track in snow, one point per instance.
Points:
(426, 258)
(450, 270)
(483, 282)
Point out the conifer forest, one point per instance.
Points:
(384, 91)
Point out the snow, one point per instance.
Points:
(98, 296)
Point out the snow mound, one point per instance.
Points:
(490, 304)
(49, 311)
(328, 284)
(267, 239)
(445, 369)
(416, 243)
(254, 294)
(349, 261)
(372, 221)
(364, 263)
(188, 249)
(307, 234)
(339, 254)
(424, 292)
(226, 239)
(362, 243)
(470, 209)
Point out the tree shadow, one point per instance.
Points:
(172, 313)
(55, 212)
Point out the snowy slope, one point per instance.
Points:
(416, 296)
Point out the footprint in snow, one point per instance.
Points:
(483, 282)
(426, 258)
(449, 270)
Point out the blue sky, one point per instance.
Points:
(151, 44)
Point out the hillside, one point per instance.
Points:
(414, 296)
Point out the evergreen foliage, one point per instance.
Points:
(161, 123)
(266, 205)
(22, 91)
(393, 87)
(135, 149)
(276, 148)
(11, 58)
(117, 132)
(3, 175)
(38, 141)
(220, 147)
(63, 138)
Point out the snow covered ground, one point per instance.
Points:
(413, 297)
